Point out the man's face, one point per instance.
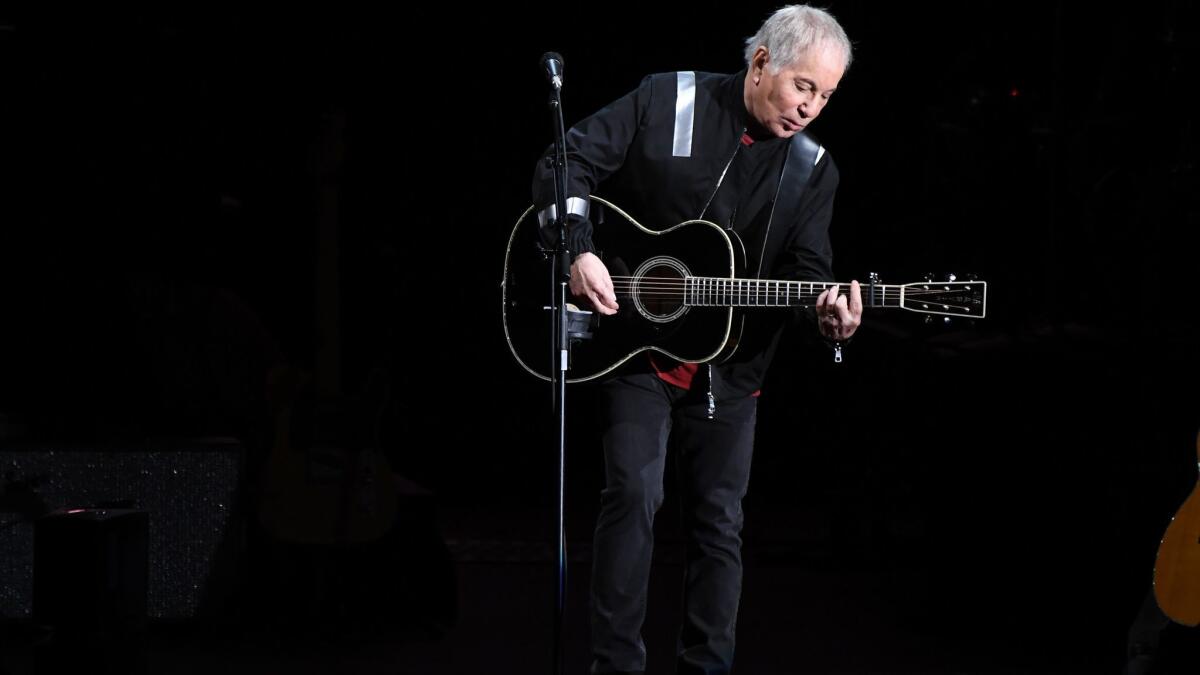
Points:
(785, 102)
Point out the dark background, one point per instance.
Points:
(190, 199)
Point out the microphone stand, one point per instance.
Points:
(560, 278)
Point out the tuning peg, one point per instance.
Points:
(951, 277)
(929, 276)
(928, 318)
(873, 277)
(972, 277)
(947, 320)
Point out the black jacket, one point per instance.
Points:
(637, 153)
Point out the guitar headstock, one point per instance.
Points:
(946, 298)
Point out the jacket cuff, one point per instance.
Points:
(579, 236)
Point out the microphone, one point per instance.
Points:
(552, 64)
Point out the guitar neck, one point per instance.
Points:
(722, 292)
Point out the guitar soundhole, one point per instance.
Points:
(658, 289)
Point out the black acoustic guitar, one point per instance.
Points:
(680, 294)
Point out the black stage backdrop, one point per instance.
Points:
(193, 198)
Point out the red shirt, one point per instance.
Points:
(673, 372)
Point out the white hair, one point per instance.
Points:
(794, 29)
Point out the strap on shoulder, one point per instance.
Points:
(798, 167)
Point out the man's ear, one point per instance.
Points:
(758, 63)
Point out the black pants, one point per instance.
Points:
(641, 417)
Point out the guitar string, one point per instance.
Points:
(792, 281)
(762, 283)
(714, 280)
(767, 301)
(700, 298)
(666, 289)
(704, 288)
(720, 291)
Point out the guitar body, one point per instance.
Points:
(1177, 567)
(646, 320)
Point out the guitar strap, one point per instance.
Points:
(798, 166)
(802, 156)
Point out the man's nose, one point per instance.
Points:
(811, 107)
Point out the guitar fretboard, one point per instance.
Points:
(719, 292)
